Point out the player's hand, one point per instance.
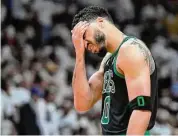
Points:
(77, 37)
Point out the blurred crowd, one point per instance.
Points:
(38, 57)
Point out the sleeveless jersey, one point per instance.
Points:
(115, 114)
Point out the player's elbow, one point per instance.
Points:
(144, 115)
(81, 107)
(147, 114)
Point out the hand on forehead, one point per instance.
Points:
(78, 36)
(80, 25)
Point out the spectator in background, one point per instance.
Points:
(52, 116)
(29, 115)
(7, 109)
(69, 121)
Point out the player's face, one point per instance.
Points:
(95, 41)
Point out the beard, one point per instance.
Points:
(100, 39)
(102, 52)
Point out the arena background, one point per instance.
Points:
(37, 61)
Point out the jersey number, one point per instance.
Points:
(105, 116)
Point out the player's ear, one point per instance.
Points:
(100, 22)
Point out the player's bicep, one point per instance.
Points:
(136, 71)
(96, 85)
(96, 80)
(138, 85)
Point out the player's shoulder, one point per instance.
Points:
(134, 47)
(135, 52)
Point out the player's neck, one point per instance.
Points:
(115, 38)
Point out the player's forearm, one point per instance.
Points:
(81, 89)
(138, 122)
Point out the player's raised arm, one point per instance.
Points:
(134, 62)
(86, 93)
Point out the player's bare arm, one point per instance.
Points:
(136, 63)
(86, 93)
(96, 81)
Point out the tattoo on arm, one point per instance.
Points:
(147, 55)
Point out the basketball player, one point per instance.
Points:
(126, 80)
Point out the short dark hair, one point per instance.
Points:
(91, 13)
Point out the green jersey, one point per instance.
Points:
(115, 114)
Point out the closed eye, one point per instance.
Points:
(88, 45)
